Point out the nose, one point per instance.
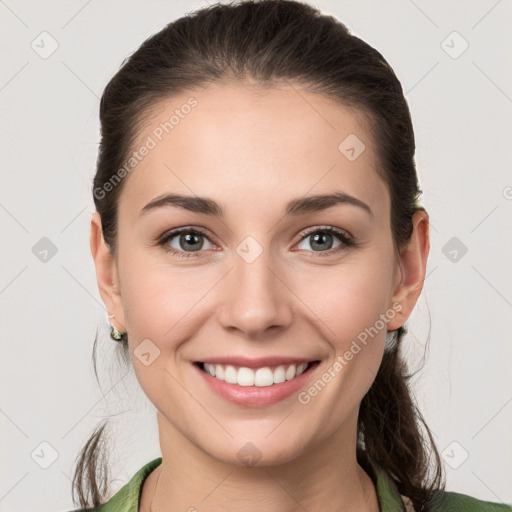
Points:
(256, 299)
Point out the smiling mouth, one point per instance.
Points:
(257, 377)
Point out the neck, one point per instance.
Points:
(313, 481)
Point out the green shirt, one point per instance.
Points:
(127, 498)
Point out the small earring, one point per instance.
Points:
(115, 334)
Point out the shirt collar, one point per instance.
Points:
(127, 498)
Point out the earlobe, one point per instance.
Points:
(106, 274)
(413, 262)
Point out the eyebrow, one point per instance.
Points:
(295, 207)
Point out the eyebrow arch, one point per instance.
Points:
(295, 207)
(322, 202)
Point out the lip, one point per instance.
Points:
(257, 362)
(255, 396)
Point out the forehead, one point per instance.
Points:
(247, 144)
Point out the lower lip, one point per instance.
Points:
(256, 396)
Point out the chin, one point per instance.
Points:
(258, 452)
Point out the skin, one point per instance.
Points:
(252, 150)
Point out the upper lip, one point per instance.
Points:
(258, 362)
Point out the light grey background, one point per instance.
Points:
(50, 310)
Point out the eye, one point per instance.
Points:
(188, 242)
(186, 239)
(322, 238)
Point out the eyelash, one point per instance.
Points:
(346, 240)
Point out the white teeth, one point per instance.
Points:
(245, 377)
(301, 368)
(279, 375)
(210, 368)
(290, 372)
(230, 374)
(261, 377)
(219, 371)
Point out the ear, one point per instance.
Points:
(106, 274)
(412, 261)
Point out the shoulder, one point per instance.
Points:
(127, 498)
(391, 500)
(456, 502)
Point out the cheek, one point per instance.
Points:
(161, 302)
(350, 300)
(350, 310)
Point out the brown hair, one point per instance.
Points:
(270, 41)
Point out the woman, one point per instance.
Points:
(259, 246)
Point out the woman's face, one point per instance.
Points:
(262, 280)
